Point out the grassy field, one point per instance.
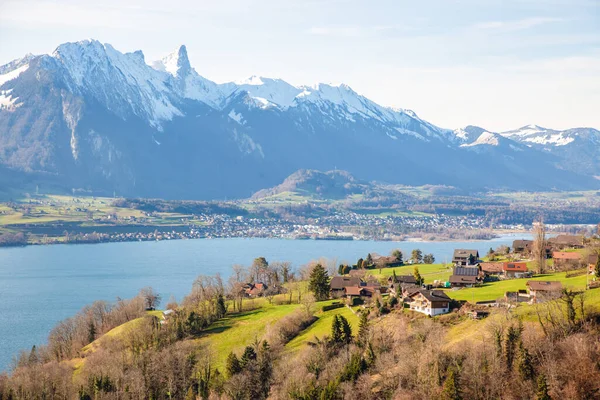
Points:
(429, 272)
(322, 326)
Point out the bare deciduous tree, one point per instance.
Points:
(539, 245)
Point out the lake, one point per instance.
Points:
(41, 285)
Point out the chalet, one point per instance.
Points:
(466, 276)
(592, 260)
(354, 291)
(465, 257)
(430, 302)
(254, 289)
(522, 246)
(543, 290)
(566, 259)
(339, 283)
(386, 261)
(491, 268)
(566, 242)
(519, 296)
(514, 269)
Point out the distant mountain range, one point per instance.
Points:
(91, 118)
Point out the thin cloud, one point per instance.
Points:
(515, 25)
(340, 31)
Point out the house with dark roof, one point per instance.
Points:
(522, 246)
(466, 276)
(430, 302)
(566, 241)
(514, 269)
(465, 257)
(339, 283)
(543, 290)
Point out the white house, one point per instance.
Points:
(430, 302)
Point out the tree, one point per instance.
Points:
(451, 389)
(525, 364)
(472, 260)
(416, 256)
(428, 258)
(363, 328)
(319, 283)
(233, 365)
(151, 298)
(341, 331)
(91, 332)
(597, 266)
(341, 269)
(397, 254)
(248, 356)
(539, 246)
(346, 330)
(359, 263)
(542, 389)
(369, 259)
(417, 276)
(258, 269)
(221, 307)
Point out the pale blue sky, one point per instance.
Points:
(496, 64)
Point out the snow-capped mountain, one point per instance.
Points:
(88, 116)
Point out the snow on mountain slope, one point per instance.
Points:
(541, 136)
(486, 138)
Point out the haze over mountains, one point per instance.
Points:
(90, 117)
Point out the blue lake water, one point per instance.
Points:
(41, 285)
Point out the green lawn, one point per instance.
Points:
(322, 326)
(236, 331)
(495, 290)
(429, 272)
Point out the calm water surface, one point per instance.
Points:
(41, 285)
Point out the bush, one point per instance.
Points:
(332, 306)
(357, 301)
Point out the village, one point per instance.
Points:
(369, 280)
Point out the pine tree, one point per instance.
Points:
(418, 276)
(394, 277)
(363, 328)
(359, 263)
(33, 356)
(232, 365)
(91, 332)
(336, 330)
(525, 364)
(221, 307)
(542, 389)
(319, 283)
(597, 266)
(451, 389)
(346, 330)
(249, 355)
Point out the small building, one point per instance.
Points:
(543, 290)
(339, 283)
(566, 242)
(592, 260)
(465, 257)
(255, 289)
(522, 246)
(566, 259)
(356, 291)
(514, 269)
(466, 276)
(492, 268)
(430, 302)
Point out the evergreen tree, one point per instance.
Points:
(363, 328)
(417, 276)
(319, 283)
(394, 277)
(336, 330)
(428, 258)
(597, 266)
(369, 259)
(397, 254)
(232, 365)
(221, 307)
(346, 330)
(542, 389)
(91, 332)
(416, 256)
(341, 269)
(359, 263)
(33, 356)
(471, 260)
(248, 356)
(525, 364)
(451, 389)
(510, 345)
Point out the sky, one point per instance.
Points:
(498, 64)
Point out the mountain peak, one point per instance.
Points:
(177, 63)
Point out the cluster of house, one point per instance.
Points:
(470, 271)
(353, 286)
(537, 291)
